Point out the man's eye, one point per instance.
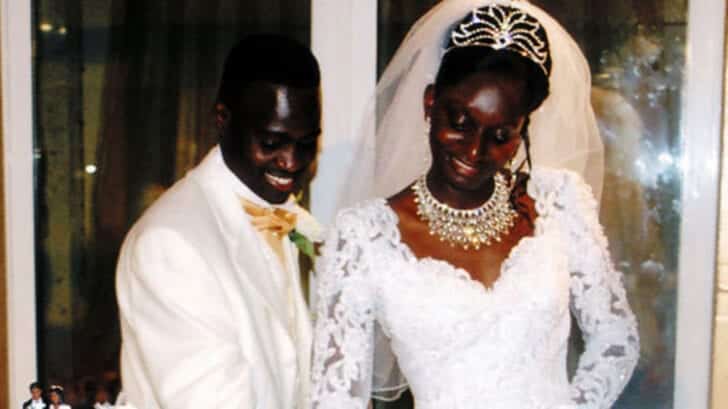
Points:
(307, 141)
(269, 141)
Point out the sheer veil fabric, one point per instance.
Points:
(392, 149)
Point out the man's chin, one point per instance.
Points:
(275, 195)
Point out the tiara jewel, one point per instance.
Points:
(503, 27)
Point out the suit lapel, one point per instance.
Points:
(302, 311)
(244, 246)
(254, 275)
(303, 331)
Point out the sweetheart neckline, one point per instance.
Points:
(459, 272)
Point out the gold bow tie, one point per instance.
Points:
(272, 220)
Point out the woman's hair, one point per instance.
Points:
(459, 63)
(58, 390)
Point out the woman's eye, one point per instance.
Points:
(459, 123)
(501, 135)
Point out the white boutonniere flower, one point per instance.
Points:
(307, 233)
(307, 225)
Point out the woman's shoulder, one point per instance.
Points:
(561, 189)
(559, 182)
(366, 218)
(363, 210)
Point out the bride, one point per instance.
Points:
(461, 285)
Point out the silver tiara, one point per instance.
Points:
(503, 27)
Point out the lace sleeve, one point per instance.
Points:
(343, 339)
(599, 303)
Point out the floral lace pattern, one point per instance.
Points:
(458, 343)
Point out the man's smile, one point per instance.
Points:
(279, 181)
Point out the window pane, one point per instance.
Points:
(636, 52)
(123, 100)
(394, 19)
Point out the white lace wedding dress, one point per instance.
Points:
(459, 344)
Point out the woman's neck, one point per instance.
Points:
(458, 198)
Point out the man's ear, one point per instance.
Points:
(222, 117)
(428, 100)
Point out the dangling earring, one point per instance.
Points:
(426, 141)
(527, 142)
(510, 173)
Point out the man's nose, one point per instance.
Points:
(288, 159)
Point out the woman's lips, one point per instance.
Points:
(462, 168)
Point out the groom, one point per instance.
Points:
(211, 307)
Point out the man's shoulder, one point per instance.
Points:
(182, 215)
(28, 403)
(179, 205)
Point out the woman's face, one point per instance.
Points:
(55, 398)
(475, 128)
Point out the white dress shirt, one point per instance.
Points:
(37, 404)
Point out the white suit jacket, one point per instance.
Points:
(203, 324)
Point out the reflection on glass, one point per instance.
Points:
(636, 52)
(637, 58)
(123, 95)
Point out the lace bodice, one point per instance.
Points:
(460, 344)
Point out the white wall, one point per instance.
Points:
(702, 101)
(720, 338)
(344, 41)
(18, 160)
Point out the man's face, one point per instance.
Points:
(36, 393)
(270, 138)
